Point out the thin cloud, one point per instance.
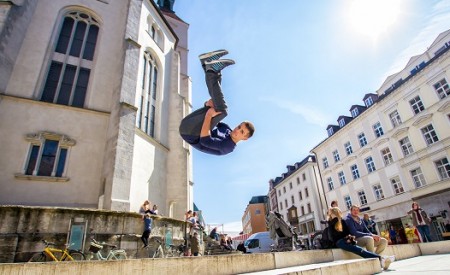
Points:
(310, 115)
(230, 228)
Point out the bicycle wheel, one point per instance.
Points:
(38, 257)
(159, 253)
(119, 255)
(76, 256)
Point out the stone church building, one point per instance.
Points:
(91, 96)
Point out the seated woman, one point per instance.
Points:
(345, 241)
(223, 243)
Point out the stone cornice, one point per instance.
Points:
(422, 119)
(400, 131)
(445, 106)
(40, 178)
(41, 136)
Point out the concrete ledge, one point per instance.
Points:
(359, 266)
(332, 261)
(433, 248)
(296, 258)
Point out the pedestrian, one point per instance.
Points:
(241, 247)
(363, 236)
(332, 204)
(195, 244)
(144, 207)
(370, 224)
(409, 231)
(203, 128)
(421, 221)
(147, 229)
(213, 234)
(223, 243)
(155, 209)
(393, 235)
(344, 240)
(188, 215)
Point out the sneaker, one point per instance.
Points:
(212, 56)
(218, 65)
(386, 261)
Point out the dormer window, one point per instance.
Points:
(368, 102)
(355, 112)
(330, 131)
(341, 122)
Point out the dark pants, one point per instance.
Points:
(191, 125)
(424, 230)
(145, 236)
(358, 250)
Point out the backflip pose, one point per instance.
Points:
(203, 128)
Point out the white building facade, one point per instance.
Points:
(91, 96)
(395, 149)
(297, 196)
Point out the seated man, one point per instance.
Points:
(203, 128)
(363, 236)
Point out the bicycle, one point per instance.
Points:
(176, 250)
(114, 253)
(159, 252)
(49, 253)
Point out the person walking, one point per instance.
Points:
(421, 221)
(203, 128)
(393, 235)
(344, 240)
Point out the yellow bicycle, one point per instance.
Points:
(54, 254)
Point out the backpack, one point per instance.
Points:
(327, 240)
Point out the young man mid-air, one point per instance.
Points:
(203, 128)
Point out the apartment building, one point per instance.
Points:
(395, 148)
(254, 218)
(299, 196)
(91, 96)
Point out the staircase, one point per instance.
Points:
(330, 261)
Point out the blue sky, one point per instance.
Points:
(299, 66)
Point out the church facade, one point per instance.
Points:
(91, 96)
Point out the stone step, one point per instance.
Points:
(341, 267)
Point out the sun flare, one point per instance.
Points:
(374, 17)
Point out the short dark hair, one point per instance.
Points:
(333, 203)
(250, 127)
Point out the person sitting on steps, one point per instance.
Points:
(343, 239)
(363, 236)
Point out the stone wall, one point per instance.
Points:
(23, 228)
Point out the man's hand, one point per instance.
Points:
(376, 238)
(212, 113)
(209, 103)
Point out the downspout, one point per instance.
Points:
(321, 191)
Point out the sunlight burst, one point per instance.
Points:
(374, 17)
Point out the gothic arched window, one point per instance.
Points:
(71, 62)
(147, 107)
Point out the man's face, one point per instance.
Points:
(355, 211)
(240, 132)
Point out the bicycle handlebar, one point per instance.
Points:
(104, 244)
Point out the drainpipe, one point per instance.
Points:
(322, 190)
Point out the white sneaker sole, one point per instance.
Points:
(208, 55)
